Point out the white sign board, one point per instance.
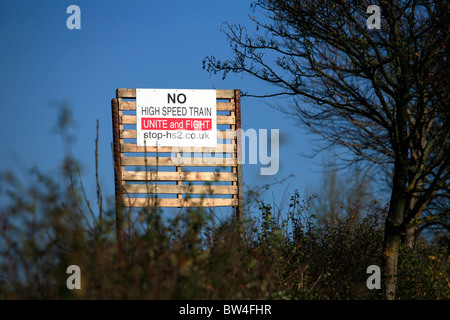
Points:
(176, 118)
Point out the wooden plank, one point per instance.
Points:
(129, 134)
(175, 176)
(126, 93)
(165, 202)
(221, 134)
(128, 119)
(220, 106)
(224, 106)
(221, 148)
(133, 147)
(130, 93)
(176, 189)
(127, 105)
(224, 94)
(184, 161)
(221, 119)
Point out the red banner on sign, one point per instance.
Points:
(198, 124)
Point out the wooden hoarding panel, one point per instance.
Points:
(131, 181)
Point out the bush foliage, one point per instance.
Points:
(47, 226)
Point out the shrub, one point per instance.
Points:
(47, 225)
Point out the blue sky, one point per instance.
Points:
(122, 44)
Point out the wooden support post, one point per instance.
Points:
(118, 175)
(179, 182)
(240, 195)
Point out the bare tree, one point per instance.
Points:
(381, 93)
(350, 198)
